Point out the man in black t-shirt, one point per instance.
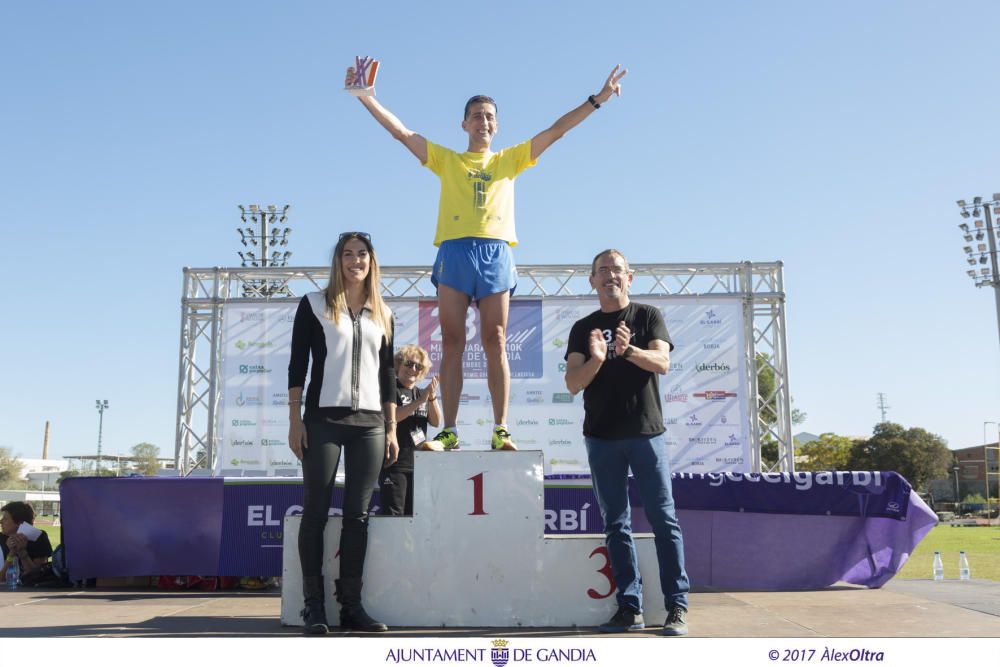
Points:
(614, 356)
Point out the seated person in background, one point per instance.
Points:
(415, 408)
(14, 545)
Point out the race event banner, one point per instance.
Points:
(703, 396)
(253, 406)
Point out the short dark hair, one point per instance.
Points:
(476, 99)
(19, 511)
(610, 251)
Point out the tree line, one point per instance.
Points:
(915, 453)
(144, 463)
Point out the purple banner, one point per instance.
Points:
(253, 519)
(118, 527)
(571, 508)
(855, 493)
(734, 525)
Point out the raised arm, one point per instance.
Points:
(546, 138)
(413, 141)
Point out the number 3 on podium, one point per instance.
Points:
(606, 571)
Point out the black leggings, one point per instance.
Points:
(364, 450)
(396, 492)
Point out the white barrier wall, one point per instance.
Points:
(474, 554)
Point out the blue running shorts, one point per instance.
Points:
(475, 266)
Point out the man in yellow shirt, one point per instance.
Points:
(475, 232)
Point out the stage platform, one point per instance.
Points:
(902, 609)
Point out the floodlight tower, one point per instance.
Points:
(264, 229)
(981, 243)
(102, 405)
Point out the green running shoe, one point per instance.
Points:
(447, 439)
(501, 439)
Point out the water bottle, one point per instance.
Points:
(938, 567)
(13, 574)
(963, 566)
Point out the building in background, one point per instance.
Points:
(41, 472)
(967, 476)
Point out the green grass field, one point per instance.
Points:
(981, 546)
(54, 532)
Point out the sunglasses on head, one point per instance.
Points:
(365, 235)
(415, 365)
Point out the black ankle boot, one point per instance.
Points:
(352, 615)
(314, 613)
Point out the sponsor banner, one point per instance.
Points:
(706, 411)
(703, 396)
(252, 424)
(524, 339)
(855, 493)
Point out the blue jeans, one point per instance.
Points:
(610, 461)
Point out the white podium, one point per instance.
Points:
(474, 554)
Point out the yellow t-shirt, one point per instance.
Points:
(477, 191)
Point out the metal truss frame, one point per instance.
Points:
(760, 286)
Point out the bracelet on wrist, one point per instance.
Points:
(594, 102)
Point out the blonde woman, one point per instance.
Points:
(350, 410)
(415, 408)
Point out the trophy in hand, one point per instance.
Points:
(360, 80)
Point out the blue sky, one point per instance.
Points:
(833, 136)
